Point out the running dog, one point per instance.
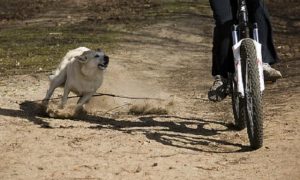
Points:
(80, 71)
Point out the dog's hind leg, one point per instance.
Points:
(54, 83)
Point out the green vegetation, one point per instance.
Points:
(199, 7)
(23, 9)
(38, 49)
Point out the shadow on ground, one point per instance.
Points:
(168, 130)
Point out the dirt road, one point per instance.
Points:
(169, 60)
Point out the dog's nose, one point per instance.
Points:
(106, 60)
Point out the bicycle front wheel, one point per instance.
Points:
(253, 96)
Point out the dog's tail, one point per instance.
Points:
(57, 72)
(61, 70)
(62, 66)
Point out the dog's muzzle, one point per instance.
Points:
(102, 66)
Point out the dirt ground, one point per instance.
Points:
(169, 62)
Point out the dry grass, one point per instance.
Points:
(147, 109)
(99, 9)
(22, 9)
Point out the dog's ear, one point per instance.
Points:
(82, 58)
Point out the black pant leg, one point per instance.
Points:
(222, 52)
(258, 13)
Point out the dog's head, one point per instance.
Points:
(94, 59)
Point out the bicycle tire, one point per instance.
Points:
(237, 106)
(253, 96)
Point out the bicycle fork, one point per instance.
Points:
(237, 59)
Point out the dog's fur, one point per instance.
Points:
(80, 71)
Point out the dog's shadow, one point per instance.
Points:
(32, 111)
(185, 133)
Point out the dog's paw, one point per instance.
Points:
(61, 113)
(68, 112)
(45, 103)
(51, 112)
(80, 112)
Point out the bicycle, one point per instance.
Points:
(246, 84)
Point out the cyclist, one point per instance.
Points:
(224, 13)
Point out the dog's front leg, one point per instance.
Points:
(82, 100)
(64, 99)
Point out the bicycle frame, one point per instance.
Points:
(243, 19)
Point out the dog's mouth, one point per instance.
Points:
(102, 66)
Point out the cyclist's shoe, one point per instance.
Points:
(218, 91)
(270, 74)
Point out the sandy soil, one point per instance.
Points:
(168, 61)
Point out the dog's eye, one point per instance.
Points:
(96, 56)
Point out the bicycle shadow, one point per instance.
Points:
(174, 131)
(175, 134)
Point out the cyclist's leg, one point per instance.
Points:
(258, 13)
(221, 53)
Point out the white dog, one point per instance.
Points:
(81, 71)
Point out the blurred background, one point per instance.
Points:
(30, 31)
